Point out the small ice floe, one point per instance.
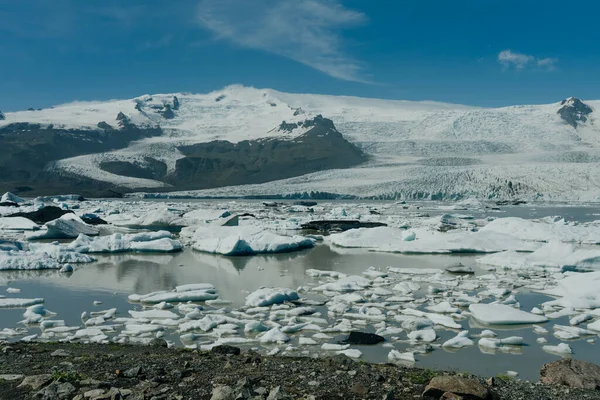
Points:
(334, 347)
(274, 336)
(19, 303)
(578, 319)
(154, 314)
(352, 353)
(35, 314)
(304, 341)
(316, 273)
(65, 269)
(491, 343)
(459, 341)
(347, 284)
(423, 335)
(512, 374)
(395, 355)
(561, 349)
(540, 330)
(269, 296)
(157, 242)
(570, 332)
(97, 302)
(500, 314)
(13, 290)
(541, 340)
(246, 240)
(443, 307)
(488, 334)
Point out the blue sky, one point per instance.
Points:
(479, 52)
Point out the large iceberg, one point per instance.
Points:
(160, 242)
(424, 240)
(545, 230)
(563, 256)
(246, 240)
(17, 224)
(66, 227)
(500, 314)
(580, 291)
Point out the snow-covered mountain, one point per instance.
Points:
(409, 149)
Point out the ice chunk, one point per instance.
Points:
(424, 335)
(19, 303)
(427, 241)
(269, 296)
(560, 349)
(12, 198)
(246, 240)
(175, 297)
(66, 227)
(348, 284)
(563, 256)
(459, 341)
(160, 242)
(153, 314)
(544, 230)
(274, 336)
(352, 353)
(17, 224)
(500, 314)
(395, 355)
(156, 219)
(194, 286)
(318, 273)
(578, 291)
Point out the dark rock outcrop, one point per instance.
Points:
(27, 149)
(339, 225)
(221, 163)
(167, 112)
(2, 117)
(572, 373)
(150, 168)
(574, 111)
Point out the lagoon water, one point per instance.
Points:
(113, 277)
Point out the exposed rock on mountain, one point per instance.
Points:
(574, 111)
(221, 163)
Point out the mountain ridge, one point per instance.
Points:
(399, 140)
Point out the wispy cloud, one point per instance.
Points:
(306, 31)
(509, 58)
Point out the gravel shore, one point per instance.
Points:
(75, 371)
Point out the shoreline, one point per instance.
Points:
(65, 370)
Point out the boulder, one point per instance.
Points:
(456, 385)
(226, 350)
(572, 373)
(56, 390)
(35, 382)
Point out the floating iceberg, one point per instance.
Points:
(563, 256)
(17, 224)
(160, 242)
(19, 303)
(269, 296)
(156, 219)
(579, 291)
(545, 230)
(246, 240)
(66, 227)
(500, 314)
(427, 241)
(10, 197)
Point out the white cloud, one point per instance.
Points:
(547, 63)
(306, 31)
(509, 58)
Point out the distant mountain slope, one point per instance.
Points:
(241, 135)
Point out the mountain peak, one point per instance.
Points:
(574, 111)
